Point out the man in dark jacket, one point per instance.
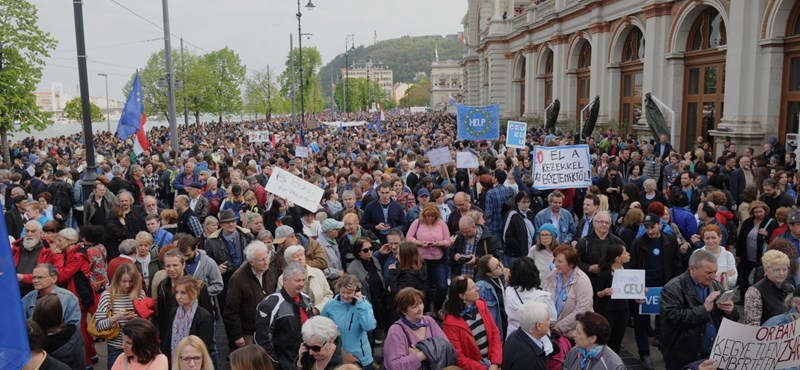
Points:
(226, 248)
(524, 347)
(687, 187)
(247, 287)
(474, 241)
(383, 214)
(15, 216)
(592, 248)
(740, 178)
(774, 197)
(659, 255)
(281, 315)
(691, 313)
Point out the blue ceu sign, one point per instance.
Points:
(515, 134)
(652, 302)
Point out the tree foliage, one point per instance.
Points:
(227, 76)
(360, 95)
(23, 47)
(73, 111)
(418, 95)
(312, 90)
(262, 95)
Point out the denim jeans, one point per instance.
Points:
(113, 353)
(437, 283)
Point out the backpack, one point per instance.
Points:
(83, 287)
(172, 175)
(62, 196)
(732, 231)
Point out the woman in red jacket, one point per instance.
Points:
(469, 325)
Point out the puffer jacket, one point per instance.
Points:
(354, 320)
(278, 327)
(459, 333)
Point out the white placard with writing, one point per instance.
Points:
(466, 160)
(561, 167)
(439, 156)
(740, 346)
(628, 284)
(301, 152)
(258, 136)
(295, 189)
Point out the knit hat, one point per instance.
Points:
(550, 228)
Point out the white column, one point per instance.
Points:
(599, 84)
(510, 9)
(531, 84)
(663, 85)
(496, 11)
(561, 80)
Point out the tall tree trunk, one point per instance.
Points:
(4, 137)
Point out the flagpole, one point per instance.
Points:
(90, 174)
(173, 124)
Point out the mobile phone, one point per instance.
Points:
(464, 259)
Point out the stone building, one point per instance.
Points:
(445, 85)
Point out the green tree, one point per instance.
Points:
(261, 94)
(73, 111)
(23, 47)
(360, 95)
(312, 89)
(227, 76)
(418, 95)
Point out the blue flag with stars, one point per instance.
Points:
(478, 123)
(131, 118)
(14, 350)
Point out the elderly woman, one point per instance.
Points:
(651, 194)
(210, 226)
(542, 253)
(523, 287)
(752, 241)
(188, 318)
(191, 354)
(469, 326)
(317, 285)
(432, 238)
(590, 351)
(353, 314)
(726, 263)
(571, 290)
(147, 256)
(253, 222)
(766, 298)
(321, 348)
(140, 348)
(399, 349)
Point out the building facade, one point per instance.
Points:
(741, 81)
(446, 84)
(372, 71)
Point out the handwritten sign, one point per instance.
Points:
(515, 134)
(561, 167)
(301, 152)
(628, 284)
(466, 160)
(439, 156)
(739, 346)
(652, 302)
(258, 136)
(295, 189)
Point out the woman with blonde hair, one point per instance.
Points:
(766, 297)
(116, 306)
(191, 354)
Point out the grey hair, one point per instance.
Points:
(126, 193)
(209, 219)
(647, 147)
(148, 197)
(52, 270)
(606, 213)
(701, 255)
(263, 234)
(293, 269)
(555, 194)
(69, 234)
(532, 313)
(128, 247)
(348, 194)
(116, 170)
(250, 249)
(650, 182)
(34, 223)
(291, 251)
(321, 328)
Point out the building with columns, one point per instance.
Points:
(445, 85)
(741, 81)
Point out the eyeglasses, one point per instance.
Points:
(189, 359)
(313, 348)
(543, 235)
(498, 267)
(365, 250)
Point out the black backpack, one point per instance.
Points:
(83, 287)
(62, 196)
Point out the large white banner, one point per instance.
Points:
(561, 167)
(294, 189)
(439, 156)
(258, 136)
(345, 124)
(739, 346)
(466, 160)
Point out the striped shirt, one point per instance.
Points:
(102, 322)
(479, 333)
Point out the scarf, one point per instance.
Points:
(334, 206)
(585, 356)
(182, 324)
(469, 312)
(354, 237)
(414, 326)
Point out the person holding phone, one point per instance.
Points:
(432, 238)
(126, 286)
(321, 348)
(351, 311)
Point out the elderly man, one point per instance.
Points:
(463, 204)
(185, 177)
(741, 178)
(473, 241)
(134, 213)
(691, 312)
(127, 254)
(197, 202)
(151, 206)
(44, 282)
(188, 223)
(330, 232)
(285, 237)
(592, 248)
(560, 218)
(226, 247)
(528, 347)
(652, 164)
(248, 287)
(28, 252)
(281, 315)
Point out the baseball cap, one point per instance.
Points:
(651, 220)
(331, 224)
(423, 192)
(281, 233)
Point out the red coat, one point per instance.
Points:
(45, 256)
(458, 332)
(68, 265)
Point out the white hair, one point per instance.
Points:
(251, 249)
(320, 328)
(128, 247)
(289, 253)
(69, 234)
(532, 313)
(293, 269)
(650, 183)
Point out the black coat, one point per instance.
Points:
(521, 353)
(761, 240)
(683, 320)
(736, 184)
(670, 255)
(14, 222)
(592, 252)
(202, 326)
(515, 233)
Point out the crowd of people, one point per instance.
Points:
(402, 265)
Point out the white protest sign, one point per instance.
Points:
(301, 152)
(295, 189)
(561, 167)
(258, 136)
(439, 156)
(628, 284)
(740, 346)
(515, 134)
(466, 160)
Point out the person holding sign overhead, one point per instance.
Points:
(691, 312)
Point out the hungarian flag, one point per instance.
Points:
(380, 118)
(133, 119)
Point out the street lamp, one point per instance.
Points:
(350, 37)
(108, 107)
(309, 6)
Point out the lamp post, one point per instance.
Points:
(108, 107)
(309, 6)
(90, 174)
(347, 68)
(173, 124)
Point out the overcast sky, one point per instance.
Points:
(256, 29)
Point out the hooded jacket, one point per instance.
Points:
(71, 352)
(354, 320)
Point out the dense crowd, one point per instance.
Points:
(435, 266)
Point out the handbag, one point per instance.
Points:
(109, 333)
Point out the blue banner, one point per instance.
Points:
(515, 134)
(652, 302)
(14, 350)
(478, 123)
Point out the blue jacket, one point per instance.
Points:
(162, 238)
(685, 221)
(487, 293)
(566, 223)
(354, 321)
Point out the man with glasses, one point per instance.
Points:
(592, 248)
(44, 278)
(741, 178)
(28, 252)
(463, 203)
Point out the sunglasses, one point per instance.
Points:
(313, 348)
(365, 250)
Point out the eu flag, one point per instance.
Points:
(478, 123)
(14, 350)
(131, 118)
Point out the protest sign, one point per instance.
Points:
(515, 134)
(295, 189)
(466, 160)
(740, 346)
(628, 284)
(439, 156)
(301, 152)
(561, 167)
(258, 136)
(478, 123)
(652, 302)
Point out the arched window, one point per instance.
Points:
(631, 79)
(708, 31)
(633, 49)
(548, 78)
